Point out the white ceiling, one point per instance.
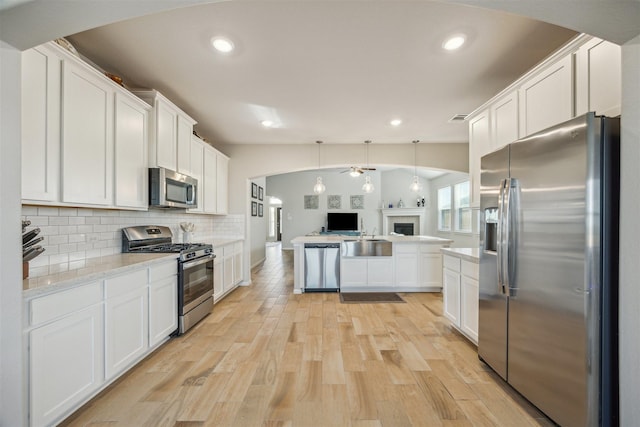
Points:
(337, 71)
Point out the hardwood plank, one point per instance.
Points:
(309, 384)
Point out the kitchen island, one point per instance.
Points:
(414, 264)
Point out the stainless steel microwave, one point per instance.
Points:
(169, 189)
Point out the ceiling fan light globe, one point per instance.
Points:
(355, 172)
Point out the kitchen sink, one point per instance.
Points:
(366, 247)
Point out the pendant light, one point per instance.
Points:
(415, 185)
(319, 187)
(368, 186)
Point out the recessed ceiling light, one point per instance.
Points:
(396, 122)
(267, 123)
(454, 42)
(222, 45)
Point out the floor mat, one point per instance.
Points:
(367, 297)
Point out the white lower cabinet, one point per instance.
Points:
(227, 269)
(163, 318)
(451, 295)
(406, 267)
(237, 263)
(353, 272)
(469, 306)
(380, 271)
(417, 267)
(366, 272)
(127, 323)
(66, 364)
(430, 268)
(218, 282)
(79, 340)
(460, 295)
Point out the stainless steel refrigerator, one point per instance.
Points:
(548, 269)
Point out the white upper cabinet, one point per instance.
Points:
(479, 145)
(504, 121)
(222, 183)
(166, 125)
(185, 132)
(598, 78)
(197, 169)
(170, 133)
(546, 98)
(131, 126)
(583, 76)
(41, 68)
(209, 181)
(87, 137)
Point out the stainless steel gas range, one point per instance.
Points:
(195, 269)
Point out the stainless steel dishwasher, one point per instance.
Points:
(322, 267)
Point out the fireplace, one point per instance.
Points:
(404, 216)
(405, 228)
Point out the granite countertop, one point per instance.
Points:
(89, 270)
(391, 238)
(469, 254)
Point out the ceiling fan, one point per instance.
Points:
(357, 171)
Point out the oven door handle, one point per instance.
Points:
(197, 262)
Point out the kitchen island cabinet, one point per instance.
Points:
(461, 290)
(414, 266)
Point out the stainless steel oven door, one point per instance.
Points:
(196, 282)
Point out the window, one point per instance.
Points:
(444, 209)
(462, 207)
(457, 196)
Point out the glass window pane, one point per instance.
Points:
(462, 207)
(444, 209)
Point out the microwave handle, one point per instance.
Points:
(191, 194)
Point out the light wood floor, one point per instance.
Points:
(267, 357)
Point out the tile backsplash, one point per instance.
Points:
(72, 235)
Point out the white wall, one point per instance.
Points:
(460, 240)
(258, 226)
(298, 221)
(395, 186)
(12, 376)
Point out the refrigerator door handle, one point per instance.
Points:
(501, 236)
(506, 235)
(511, 231)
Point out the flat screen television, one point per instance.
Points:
(345, 221)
